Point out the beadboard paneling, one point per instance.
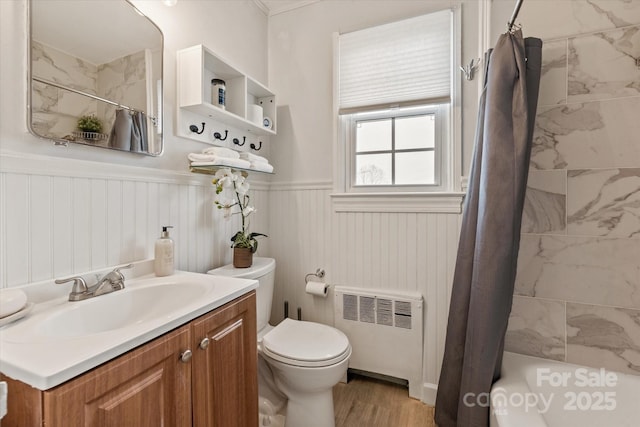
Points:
(402, 251)
(57, 223)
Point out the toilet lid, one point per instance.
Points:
(306, 343)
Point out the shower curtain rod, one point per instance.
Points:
(79, 92)
(514, 15)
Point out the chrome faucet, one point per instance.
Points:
(112, 281)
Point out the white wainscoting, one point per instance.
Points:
(60, 217)
(403, 251)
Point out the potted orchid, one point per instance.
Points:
(244, 243)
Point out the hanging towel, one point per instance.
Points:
(222, 152)
(120, 137)
(139, 132)
(253, 158)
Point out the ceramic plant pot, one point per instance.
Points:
(242, 257)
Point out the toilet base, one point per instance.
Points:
(271, 420)
(310, 410)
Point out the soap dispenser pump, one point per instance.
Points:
(163, 262)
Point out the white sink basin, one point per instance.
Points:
(120, 309)
(60, 339)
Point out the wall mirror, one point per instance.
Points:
(95, 73)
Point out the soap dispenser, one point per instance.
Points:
(163, 263)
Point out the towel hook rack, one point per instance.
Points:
(194, 129)
(217, 135)
(253, 146)
(237, 141)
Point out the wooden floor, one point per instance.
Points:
(367, 402)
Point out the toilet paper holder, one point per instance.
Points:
(319, 274)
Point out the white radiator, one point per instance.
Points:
(385, 331)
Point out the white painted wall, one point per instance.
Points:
(87, 208)
(404, 251)
(237, 30)
(401, 251)
(301, 73)
(69, 210)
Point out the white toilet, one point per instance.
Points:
(306, 359)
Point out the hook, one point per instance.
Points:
(194, 129)
(217, 135)
(253, 146)
(469, 70)
(237, 141)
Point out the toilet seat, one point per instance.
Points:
(306, 344)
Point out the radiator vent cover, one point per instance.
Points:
(384, 327)
(384, 312)
(381, 311)
(367, 310)
(402, 314)
(350, 307)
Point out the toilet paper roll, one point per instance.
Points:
(317, 288)
(254, 114)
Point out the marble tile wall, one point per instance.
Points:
(577, 291)
(122, 80)
(55, 111)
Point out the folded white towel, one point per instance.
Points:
(224, 161)
(254, 158)
(222, 152)
(198, 157)
(262, 167)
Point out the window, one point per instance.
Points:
(395, 92)
(401, 147)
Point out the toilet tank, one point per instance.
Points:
(263, 270)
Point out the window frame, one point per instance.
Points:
(441, 154)
(447, 199)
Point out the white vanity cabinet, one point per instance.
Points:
(202, 374)
(197, 66)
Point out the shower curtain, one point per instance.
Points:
(490, 236)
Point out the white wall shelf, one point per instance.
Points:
(197, 65)
(211, 170)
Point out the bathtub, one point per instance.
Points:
(534, 392)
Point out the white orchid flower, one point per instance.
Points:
(225, 203)
(242, 186)
(224, 178)
(248, 210)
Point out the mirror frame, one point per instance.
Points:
(159, 128)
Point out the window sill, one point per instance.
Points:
(398, 202)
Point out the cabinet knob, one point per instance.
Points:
(204, 343)
(186, 356)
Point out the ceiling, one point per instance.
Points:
(274, 7)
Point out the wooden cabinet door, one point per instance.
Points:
(225, 380)
(147, 387)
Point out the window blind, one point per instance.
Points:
(397, 63)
